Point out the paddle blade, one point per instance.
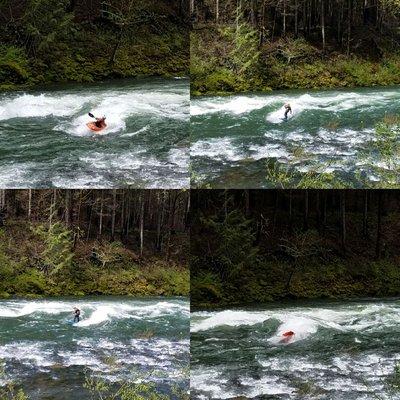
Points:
(91, 115)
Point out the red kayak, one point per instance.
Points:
(93, 127)
(287, 336)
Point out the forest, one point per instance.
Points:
(240, 45)
(89, 242)
(44, 41)
(252, 246)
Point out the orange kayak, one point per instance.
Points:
(93, 127)
(286, 337)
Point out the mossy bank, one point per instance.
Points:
(44, 41)
(37, 261)
(226, 60)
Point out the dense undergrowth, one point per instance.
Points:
(226, 60)
(48, 43)
(37, 261)
(303, 264)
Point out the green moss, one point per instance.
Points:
(40, 262)
(217, 66)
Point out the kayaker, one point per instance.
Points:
(100, 122)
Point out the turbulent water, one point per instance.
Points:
(116, 339)
(44, 140)
(329, 131)
(340, 351)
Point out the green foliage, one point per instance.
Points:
(47, 264)
(13, 66)
(393, 381)
(139, 387)
(206, 287)
(235, 249)
(57, 253)
(10, 391)
(52, 45)
(225, 60)
(286, 177)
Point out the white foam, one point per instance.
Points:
(43, 105)
(141, 130)
(217, 149)
(230, 318)
(234, 105)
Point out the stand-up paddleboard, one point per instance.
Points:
(93, 127)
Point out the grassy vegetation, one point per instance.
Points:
(37, 261)
(225, 60)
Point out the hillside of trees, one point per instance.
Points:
(242, 45)
(44, 41)
(252, 246)
(81, 242)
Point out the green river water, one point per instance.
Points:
(233, 137)
(44, 140)
(340, 351)
(47, 355)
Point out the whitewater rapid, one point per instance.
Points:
(46, 353)
(329, 131)
(339, 351)
(45, 140)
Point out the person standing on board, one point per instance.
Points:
(77, 314)
(288, 109)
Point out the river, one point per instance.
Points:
(340, 351)
(329, 131)
(44, 140)
(48, 355)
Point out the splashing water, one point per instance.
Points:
(47, 354)
(45, 140)
(233, 137)
(340, 350)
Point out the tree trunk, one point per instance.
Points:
(113, 211)
(379, 225)
(343, 219)
(323, 24)
(29, 203)
(141, 223)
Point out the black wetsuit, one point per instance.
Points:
(99, 123)
(287, 111)
(77, 315)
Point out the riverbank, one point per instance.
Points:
(90, 43)
(223, 65)
(268, 280)
(38, 262)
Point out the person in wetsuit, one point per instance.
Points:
(288, 109)
(77, 314)
(100, 122)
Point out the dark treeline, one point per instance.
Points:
(294, 243)
(259, 45)
(80, 242)
(45, 41)
(137, 218)
(339, 23)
